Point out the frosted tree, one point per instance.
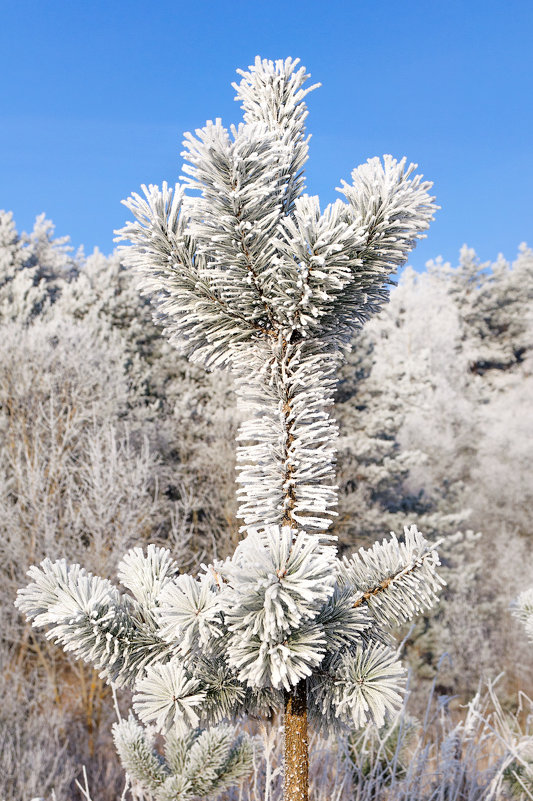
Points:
(33, 268)
(495, 304)
(499, 332)
(453, 348)
(248, 273)
(377, 396)
(184, 411)
(419, 360)
(371, 467)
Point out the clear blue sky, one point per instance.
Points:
(97, 93)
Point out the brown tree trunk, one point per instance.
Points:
(296, 785)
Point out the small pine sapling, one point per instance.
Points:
(248, 273)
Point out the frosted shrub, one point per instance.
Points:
(73, 482)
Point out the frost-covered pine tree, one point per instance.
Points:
(33, 268)
(248, 273)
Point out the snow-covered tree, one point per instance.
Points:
(380, 397)
(372, 468)
(184, 411)
(248, 273)
(444, 371)
(33, 268)
(490, 377)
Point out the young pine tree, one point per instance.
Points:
(249, 274)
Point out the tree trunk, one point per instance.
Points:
(296, 784)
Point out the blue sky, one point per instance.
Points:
(97, 94)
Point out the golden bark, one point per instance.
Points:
(296, 784)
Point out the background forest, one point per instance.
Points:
(109, 439)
